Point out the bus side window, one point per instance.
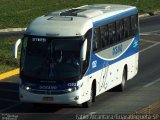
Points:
(121, 29)
(127, 27)
(118, 30)
(104, 35)
(134, 24)
(112, 33)
(96, 39)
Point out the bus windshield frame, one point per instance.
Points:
(50, 58)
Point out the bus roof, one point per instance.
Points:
(77, 21)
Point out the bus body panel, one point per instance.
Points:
(112, 76)
(106, 66)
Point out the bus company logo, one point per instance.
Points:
(43, 87)
(94, 64)
(135, 44)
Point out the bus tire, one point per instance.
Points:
(122, 86)
(91, 100)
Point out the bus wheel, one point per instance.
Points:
(122, 86)
(90, 101)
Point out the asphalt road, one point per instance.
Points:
(140, 92)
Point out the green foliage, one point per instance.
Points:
(18, 13)
(148, 5)
(7, 62)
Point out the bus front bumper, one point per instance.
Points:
(67, 98)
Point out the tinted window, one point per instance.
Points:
(127, 27)
(112, 33)
(118, 30)
(134, 24)
(50, 58)
(121, 29)
(96, 39)
(104, 35)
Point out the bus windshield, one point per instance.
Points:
(50, 58)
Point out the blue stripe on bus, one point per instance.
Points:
(133, 49)
(115, 17)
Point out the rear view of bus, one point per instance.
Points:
(73, 55)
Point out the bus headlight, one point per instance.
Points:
(27, 88)
(74, 88)
(71, 89)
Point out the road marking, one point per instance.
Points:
(152, 31)
(142, 43)
(149, 47)
(149, 34)
(10, 107)
(148, 41)
(8, 100)
(155, 43)
(156, 32)
(151, 83)
(9, 74)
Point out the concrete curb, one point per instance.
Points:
(143, 15)
(9, 74)
(149, 14)
(12, 30)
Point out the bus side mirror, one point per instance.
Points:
(83, 51)
(15, 49)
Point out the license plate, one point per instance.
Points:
(48, 99)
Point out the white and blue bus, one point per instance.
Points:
(73, 55)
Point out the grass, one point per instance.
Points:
(18, 13)
(7, 62)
